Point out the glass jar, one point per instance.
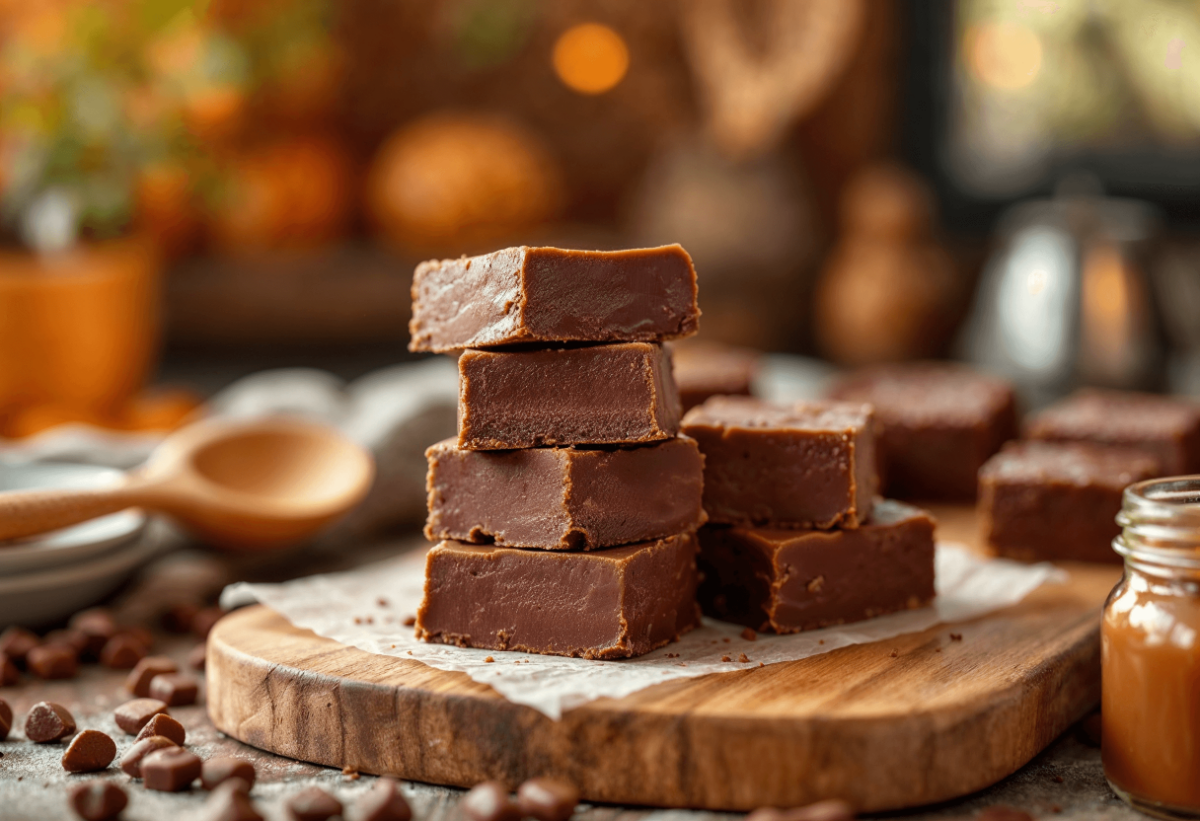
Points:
(1150, 651)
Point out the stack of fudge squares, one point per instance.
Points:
(566, 509)
(797, 539)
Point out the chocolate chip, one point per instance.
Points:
(1088, 730)
(97, 800)
(8, 671)
(91, 750)
(122, 652)
(48, 722)
(52, 661)
(98, 625)
(230, 802)
(138, 681)
(196, 658)
(6, 718)
(16, 642)
(313, 804)
(221, 769)
(490, 801)
(170, 769)
(547, 799)
(176, 689)
(179, 618)
(832, 810)
(163, 725)
(131, 762)
(1000, 813)
(133, 715)
(204, 621)
(68, 637)
(383, 802)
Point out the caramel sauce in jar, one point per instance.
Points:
(1150, 652)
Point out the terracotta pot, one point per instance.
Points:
(78, 330)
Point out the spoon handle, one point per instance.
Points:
(31, 512)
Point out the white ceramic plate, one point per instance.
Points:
(73, 544)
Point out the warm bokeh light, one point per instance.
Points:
(590, 58)
(1004, 55)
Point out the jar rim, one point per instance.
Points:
(1160, 521)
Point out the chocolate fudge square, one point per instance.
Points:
(705, 369)
(546, 295)
(1057, 500)
(785, 581)
(607, 604)
(564, 498)
(1167, 427)
(594, 395)
(808, 465)
(939, 422)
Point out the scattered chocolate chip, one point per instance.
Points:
(170, 769)
(91, 750)
(139, 678)
(956, 637)
(410, 621)
(832, 810)
(743, 658)
(726, 658)
(176, 689)
(749, 635)
(122, 652)
(490, 801)
(9, 674)
(133, 715)
(97, 800)
(204, 621)
(6, 718)
(178, 618)
(1088, 730)
(75, 639)
(230, 801)
(383, 802)
(16, 642)
(999, 813)
(196, 658)
(131, 762)
(48, 722)
(547, 799)
(221, 769)
(52, 661)
(163, 725)
(98, 625)
(313, 804)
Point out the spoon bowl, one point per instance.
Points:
(238, 484)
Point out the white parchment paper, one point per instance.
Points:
(366, 608)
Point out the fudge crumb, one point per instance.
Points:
(937, 649)
(726, 639)
(820, 641)
(370, 619)
(744, 659)
(956, 637)
(1058, 779)
(488, 660)
(357, 620)
(760, 664)
(393, 647)
(749, 635)
(894, 654)
(726, 658)
(350, 773)
(409, 621)
(382, 602)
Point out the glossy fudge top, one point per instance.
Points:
(749, 413)
(926, 393)
(525, 295)
(1073, 463)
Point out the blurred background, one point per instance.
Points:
(193, 191)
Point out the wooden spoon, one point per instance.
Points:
(237, 484)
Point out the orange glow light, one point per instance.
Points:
(590, 58)
(1004, 55)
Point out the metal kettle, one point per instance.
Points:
(1066, 300)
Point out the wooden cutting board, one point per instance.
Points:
(908, 721)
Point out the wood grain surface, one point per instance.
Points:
(904, 722)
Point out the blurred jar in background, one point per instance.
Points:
(79, 332)
(453, 182)
(888, 291)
